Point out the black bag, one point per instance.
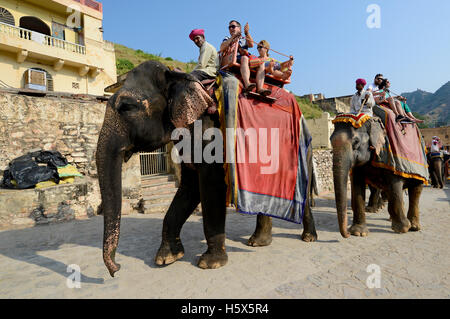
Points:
(27, 173)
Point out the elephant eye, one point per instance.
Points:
(124, 107)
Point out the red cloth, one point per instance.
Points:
(361, 81)
(256, 114)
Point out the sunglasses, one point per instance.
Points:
(233, 26)
(260, 47)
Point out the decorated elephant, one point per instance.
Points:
(141, 117)
(436, 168)
(352, 153)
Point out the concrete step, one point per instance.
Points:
(156, 208)
(158, 199)
(157, 179)
(148, 189)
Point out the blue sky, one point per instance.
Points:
(329, 39)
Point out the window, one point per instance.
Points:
(35, 24)
(6, 17)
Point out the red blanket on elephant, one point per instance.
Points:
(404, 152)
(266, 152)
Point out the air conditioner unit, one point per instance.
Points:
(35, 80)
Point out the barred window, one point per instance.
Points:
(6, 17)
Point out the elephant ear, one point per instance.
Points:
(377, 134)
(187, 100)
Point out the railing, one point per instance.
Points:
(43, 39)
(91, 4)
(155, 162)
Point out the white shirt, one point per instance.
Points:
(357, 99)
(435, 147)
(208, 60)
(372, 87)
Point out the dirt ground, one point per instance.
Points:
(34, 261)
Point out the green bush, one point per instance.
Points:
(124, 66)
(168, 59)
(309, 109)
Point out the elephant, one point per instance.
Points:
(436, 169)
(352, 151)
(140, 117)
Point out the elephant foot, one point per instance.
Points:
(260, 240)
(401, 226)
(214, 260)
(359, 230)
(168, 254)
(309, 237)
(111, 264)
(415, 226)
(369, 209)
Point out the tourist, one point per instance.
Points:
(362, 101)
(245, 43)
(397, 105)
(208, 61)
(269, 65)
(376, 82)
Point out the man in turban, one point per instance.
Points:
(362, 100)
(208, 61)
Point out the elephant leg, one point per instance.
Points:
(400, 224)
(183, 204)
(413, 210)
(309, 229)
(213, 199)
(359, 227)
(263, 232)
(374, 200)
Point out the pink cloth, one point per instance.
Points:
(196, 32)
(361, 81)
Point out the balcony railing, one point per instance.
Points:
(91, 4)
(43, 39)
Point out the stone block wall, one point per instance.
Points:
(323, 165)
(66, 124)
(321, 130)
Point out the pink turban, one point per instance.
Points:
(361, 81)
(196, 32)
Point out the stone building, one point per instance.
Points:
(340, 104)
(55, 45)
(442, 132)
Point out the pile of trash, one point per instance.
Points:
(38, 169)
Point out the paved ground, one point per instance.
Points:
(34, 262)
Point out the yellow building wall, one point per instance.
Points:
(21, 9)
(99, 54)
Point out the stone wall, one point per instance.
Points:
(335, 104)
(323, 165)
(68, 125)
(321, 130)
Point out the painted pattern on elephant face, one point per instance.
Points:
(187, 103)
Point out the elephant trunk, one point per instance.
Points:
(342, 152)
(109, 158)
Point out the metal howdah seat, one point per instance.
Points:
(228, 62)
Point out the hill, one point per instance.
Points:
(435, 107)
(127, 59)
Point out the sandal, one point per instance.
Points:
(249, 88)
(264, 92)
